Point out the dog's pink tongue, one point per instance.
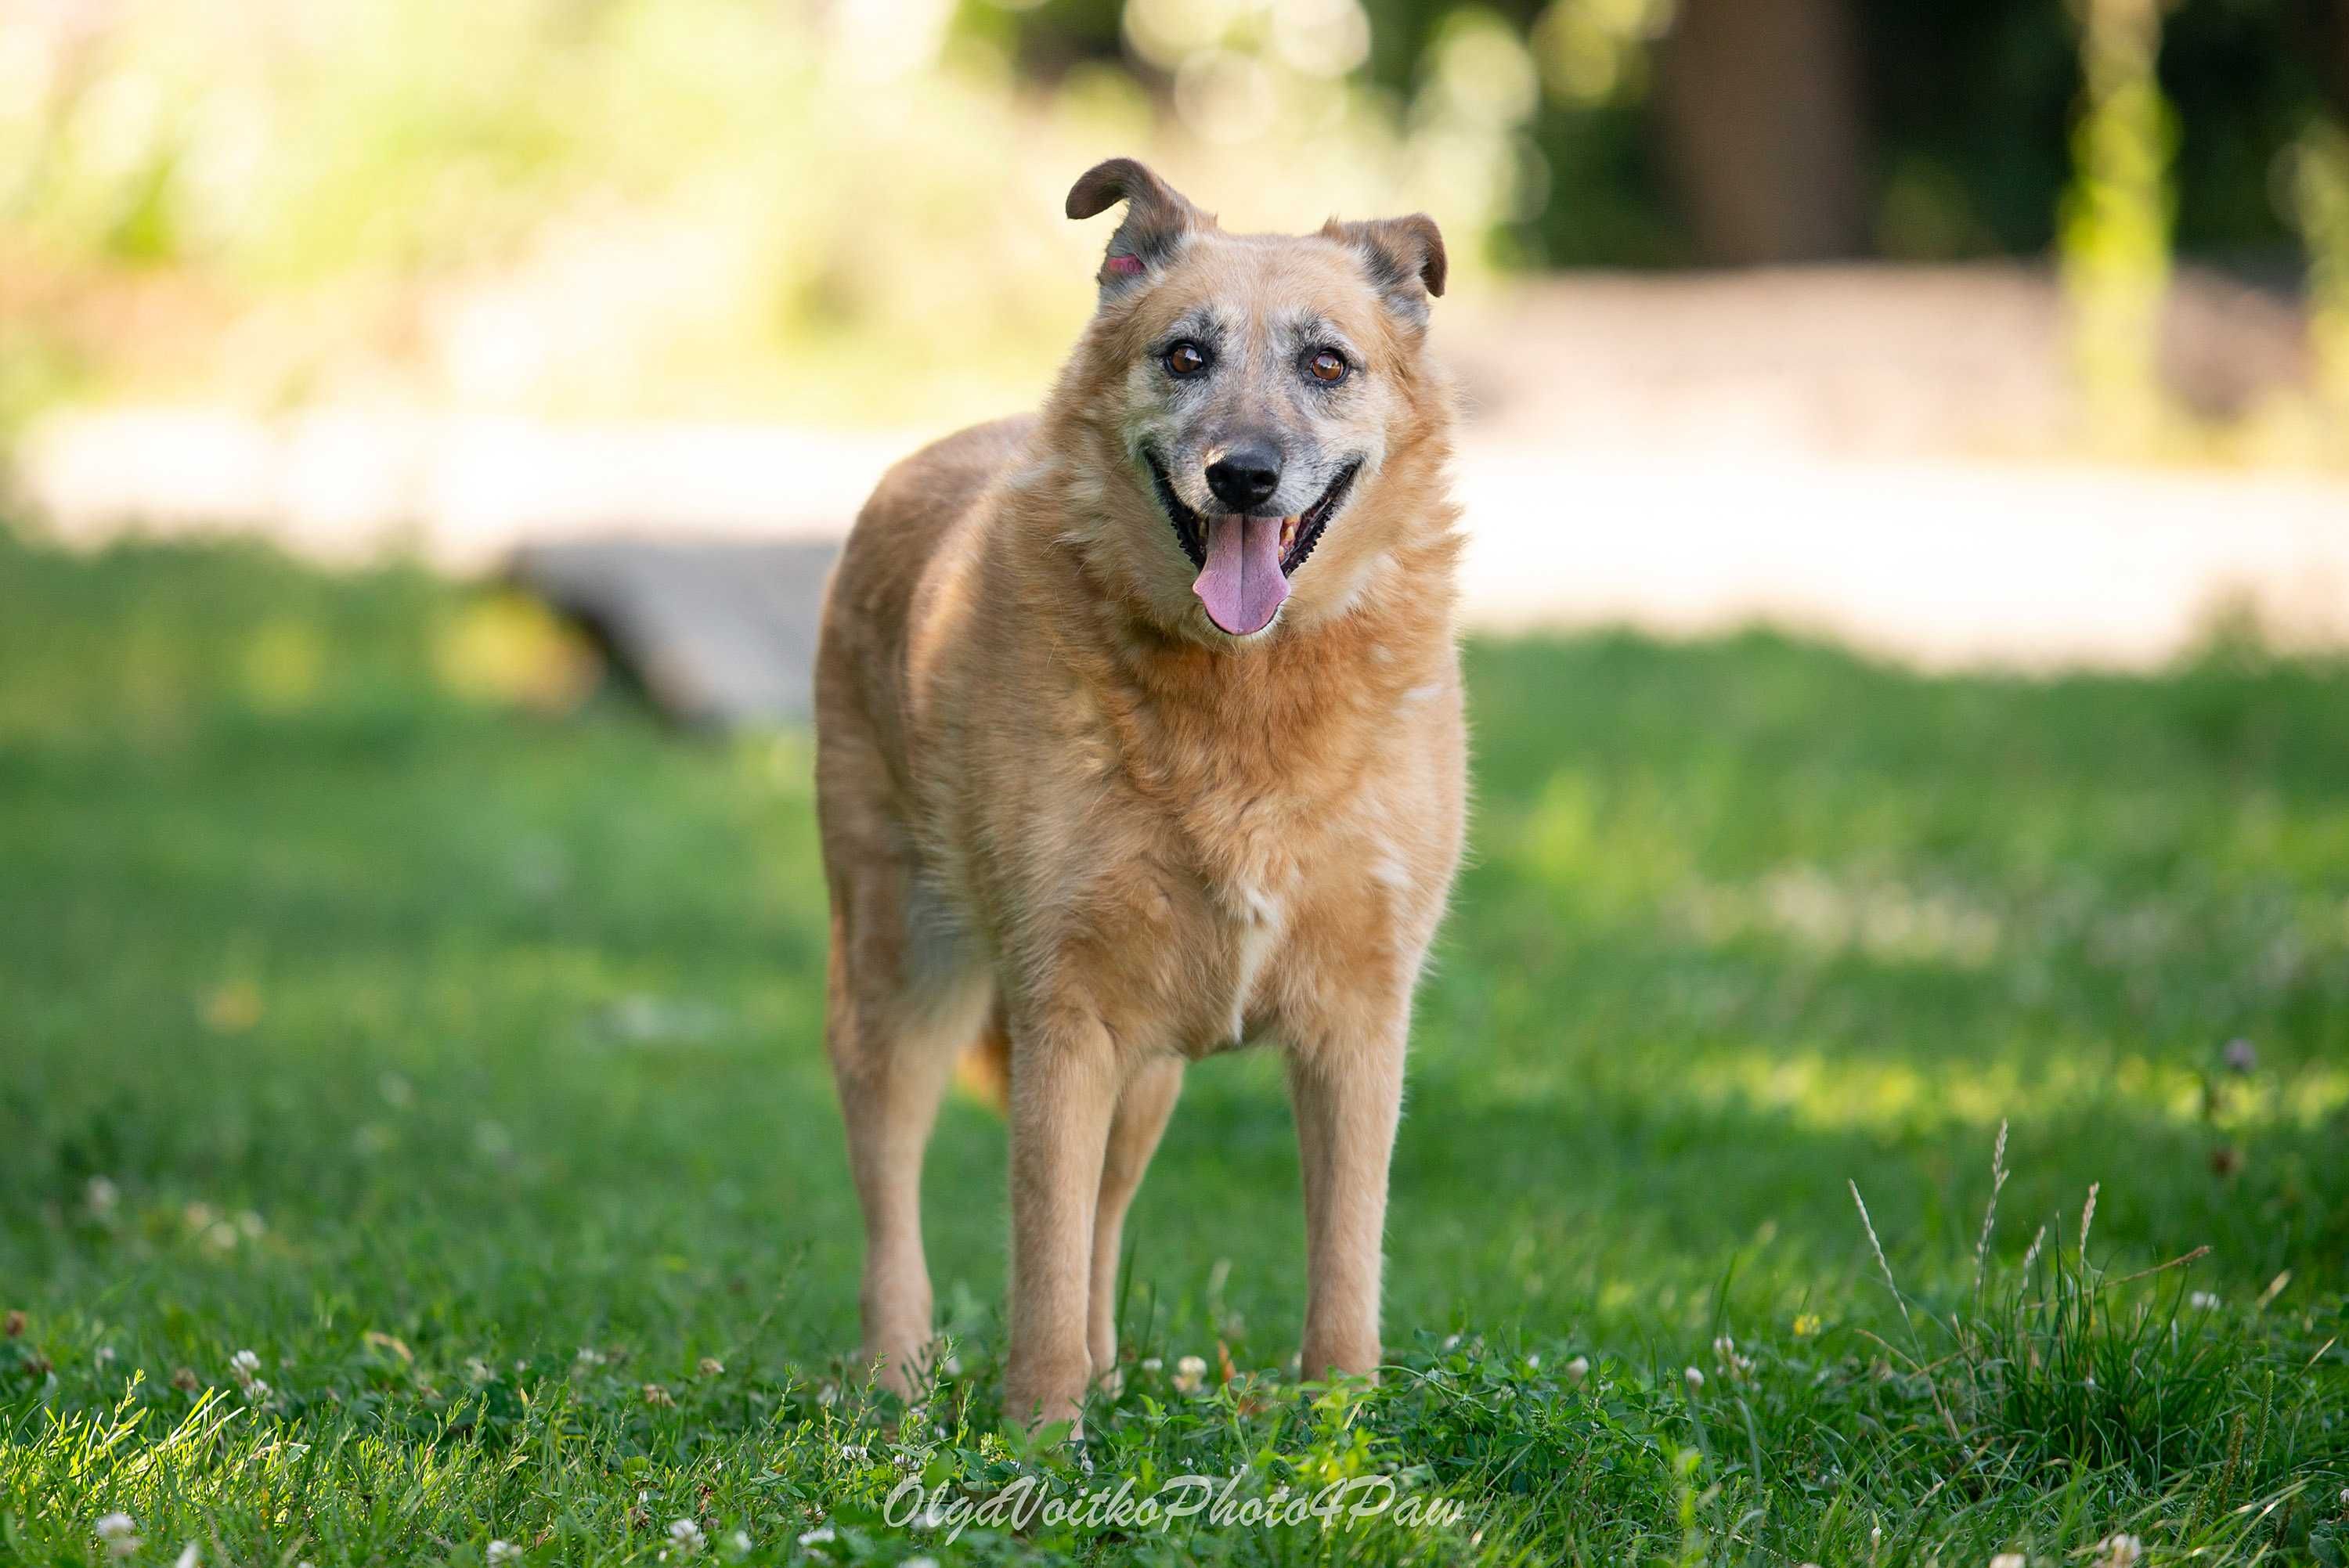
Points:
(1242, 585)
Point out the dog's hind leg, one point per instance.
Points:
(1142, 1109)
(892, 1033)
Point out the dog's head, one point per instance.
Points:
(1253, 400)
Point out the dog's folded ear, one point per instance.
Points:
(1157, 219)
(1404, 255)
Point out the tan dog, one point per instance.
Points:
(1139, 739)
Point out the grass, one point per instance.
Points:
(455, 1052)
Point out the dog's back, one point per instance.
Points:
(869, 599)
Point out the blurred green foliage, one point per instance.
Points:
(2320, 192)
(688, 207)
(2117, 215)
(667, 206)
(1969, 108)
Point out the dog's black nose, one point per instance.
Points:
(1246, 475)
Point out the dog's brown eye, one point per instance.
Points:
(1329, 365)
(1185, 359)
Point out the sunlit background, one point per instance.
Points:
(364, 273)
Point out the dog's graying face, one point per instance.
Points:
(1259, 384)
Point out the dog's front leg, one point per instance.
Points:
(1064, 1088)
(1143, 1106)
(1348, 1099)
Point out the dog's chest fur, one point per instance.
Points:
(1269, 871)
(1251, 875)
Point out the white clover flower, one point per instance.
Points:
(687, 1536)
(919, 1563)
(104, 1358)
(119, 1531)
(1532, 1361)
(101, 1195)
(2010, 1560)
(818, 1536)
(740, 1540)
(245, 1363)
(1577, 1369)
(2119, 1552)
(1152, 1364)
(710, 1366)
(1695, 1378)
(2203, 1301)
(1190, 1375)
(502, 1552)
(256, 1391)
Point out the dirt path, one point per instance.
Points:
(1941, 562)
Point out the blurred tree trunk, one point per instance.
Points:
(1761, 104)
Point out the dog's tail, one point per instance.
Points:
(984, 1073)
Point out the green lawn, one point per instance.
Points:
(458, 1057)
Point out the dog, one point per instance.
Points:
(1140, 737)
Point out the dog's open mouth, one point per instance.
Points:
(1244, 563)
